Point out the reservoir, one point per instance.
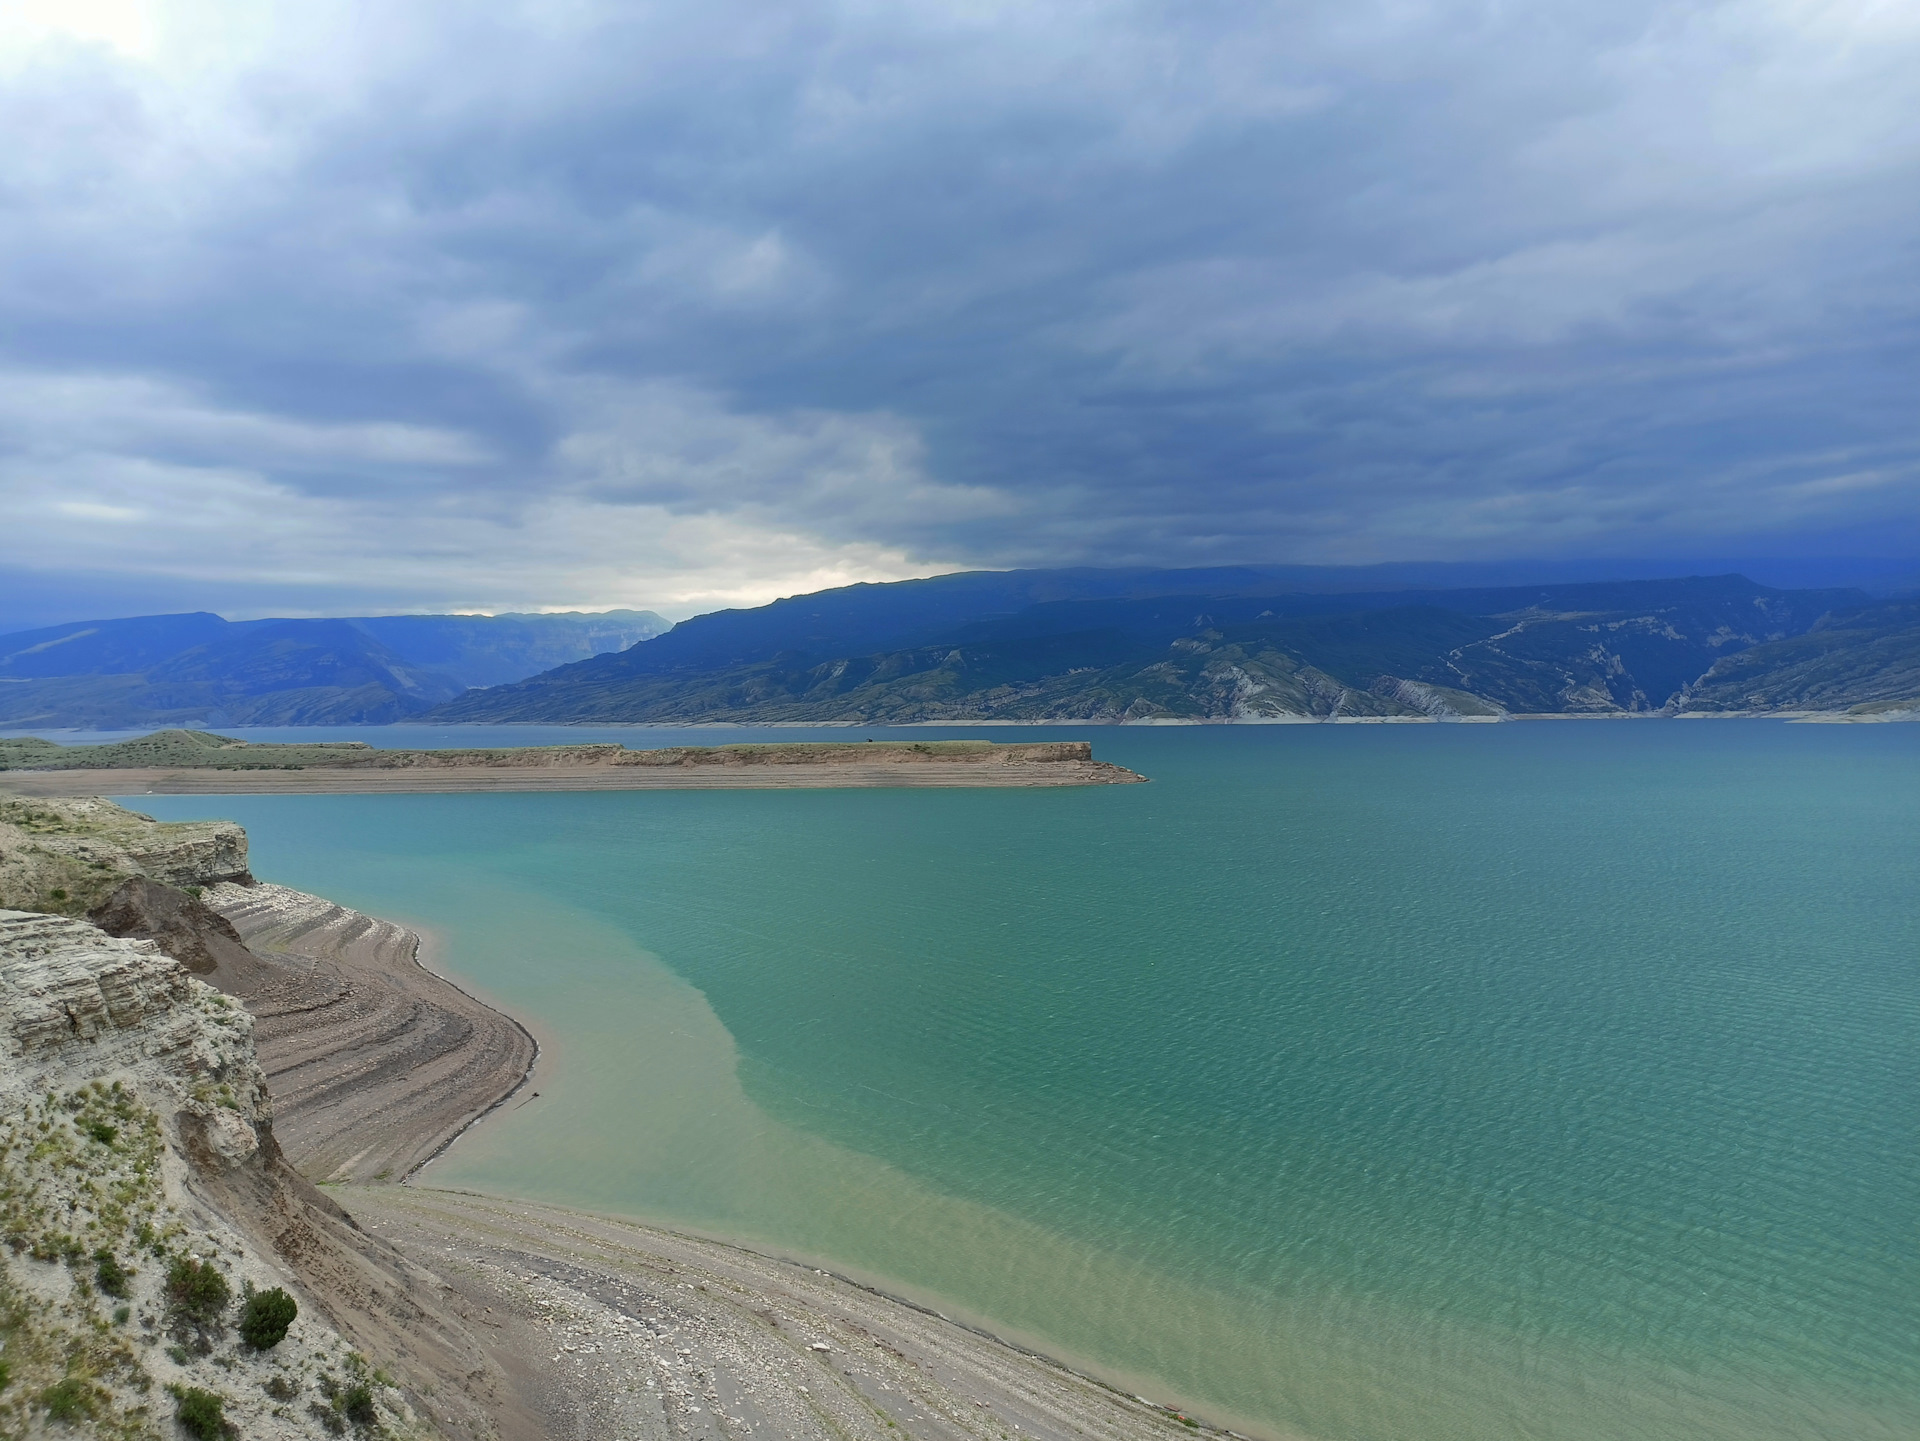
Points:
(1546, 1080)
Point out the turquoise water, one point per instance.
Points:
(1350, 1082)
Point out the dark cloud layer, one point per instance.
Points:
(672, 305)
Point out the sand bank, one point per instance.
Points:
(199, 763)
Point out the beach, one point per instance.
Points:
(593, 1326)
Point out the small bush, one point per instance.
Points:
(110, 1275)
(201, 1413)
(282, 1388)
(356, 1404)
(6, 1375)
(264, 1321)
(122, 1315)
(59, 894)
(68, 1400)
(197, 1289)
(102, 1132)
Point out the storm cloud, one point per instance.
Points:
(412, 306)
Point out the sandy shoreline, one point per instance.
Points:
(624, 1329)
(451, 781)
(181, 762)
(596, 1326)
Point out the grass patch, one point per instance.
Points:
(70, 1400)
(110, 1276)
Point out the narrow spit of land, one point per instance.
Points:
(186, 762)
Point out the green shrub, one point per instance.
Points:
(102, 1132)
(197, 1289)
(6, 1375)
(356, 1404)
(68, 1400)
(110, 1275)
(264, 1321)
(201, 1413)
(122, 1315)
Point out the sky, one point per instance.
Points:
(349, 308)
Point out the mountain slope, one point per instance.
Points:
(1863, 658)
(482, 650)
(289, 673)
(200, 669)
(1617, 647)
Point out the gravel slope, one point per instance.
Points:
(615, 1329)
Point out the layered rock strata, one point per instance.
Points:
(376, 1063)
(138, 1139)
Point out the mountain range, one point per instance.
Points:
(1215, 645)
(1225, 644)
(198, 669)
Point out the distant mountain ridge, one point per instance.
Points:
(1154, 646)
(201, 669)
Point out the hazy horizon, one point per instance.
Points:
(35, 608)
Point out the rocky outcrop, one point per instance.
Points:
(138, 1140)
(179, 923)
(129, 1088)
(1436, 701)
(68, 855)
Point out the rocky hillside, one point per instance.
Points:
(68, 857)
(1637, 647)
(135, 1108)
(143, 1190)
(1862, 660)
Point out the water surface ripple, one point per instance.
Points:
(1544, 1081)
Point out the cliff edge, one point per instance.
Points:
(143, 1199)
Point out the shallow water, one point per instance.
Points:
(1545, 1081)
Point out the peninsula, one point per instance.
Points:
(189, 762)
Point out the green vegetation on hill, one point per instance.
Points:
(1865, 659)
(203, 750)
(1640, 647)
(171, 748)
